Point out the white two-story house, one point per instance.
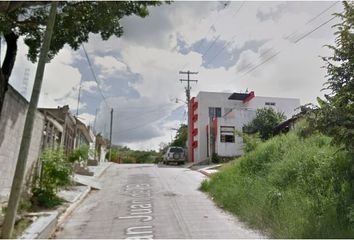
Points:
(215, 116)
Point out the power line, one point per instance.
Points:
(260, 56)
(94, 75)
(325, 10)
(209, 30)
(263, 62)
(293, 34)
(144, 113)
(215, 39)
(240, 7)
(287, 37)
(139, 126)
(139, 108)
(296, 41)
(211, 45)
(217, 54)
(310, 32)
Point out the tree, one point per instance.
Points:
(181, 136)
(74, 22)
(17, 182)
(335, 115)
(264, 123)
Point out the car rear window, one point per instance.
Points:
(176, 150)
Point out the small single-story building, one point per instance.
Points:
(214, 118)
(60, 128)
(84, 135)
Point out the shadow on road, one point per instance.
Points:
(171, 165)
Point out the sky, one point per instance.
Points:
(266, 47)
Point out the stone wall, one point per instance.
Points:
(12, 122)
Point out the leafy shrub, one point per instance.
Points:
(46, 199)
(56, 172)
(215, 158)
(291, 187)
(79, 154)
(264, 122)
(250, 141)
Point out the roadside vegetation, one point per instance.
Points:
(290, 187)
(56, 172)
(301, 184)
(264, 123)
(127, 155)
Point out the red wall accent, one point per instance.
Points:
(193, 106)
(249, 97)
(215, 126)
(195, 118)
(195, 132)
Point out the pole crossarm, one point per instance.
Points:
(186, 80)
(187, 72)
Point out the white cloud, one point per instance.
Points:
(89, 86)
(148, 51)
(109, 65)
(57, 86)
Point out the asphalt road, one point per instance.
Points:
(148, 201)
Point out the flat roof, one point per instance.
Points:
(238, 96)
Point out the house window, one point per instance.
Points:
(214, 112)
(270, 103)
(227, 134)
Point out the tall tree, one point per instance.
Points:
(181, 136)
(74, 22)
(335, 115)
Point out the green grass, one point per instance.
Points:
(20, 227)
(290, 187)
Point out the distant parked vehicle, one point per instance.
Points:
(174, 154)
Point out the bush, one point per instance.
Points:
(46, 199)
(215, 158)
(56, 172)
(79, 154)
(290, 187)
(250, 141)
(265, 121)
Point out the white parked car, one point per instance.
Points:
(174, 154)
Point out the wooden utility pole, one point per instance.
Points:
(17, 182)
(189, 107)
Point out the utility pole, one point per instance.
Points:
(94, 123)
(110, 137)
(78, 99)
(189, 107)
(20, 170)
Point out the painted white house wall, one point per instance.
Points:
(234, 113)
(227, 149)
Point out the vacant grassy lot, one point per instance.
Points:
(290, 187)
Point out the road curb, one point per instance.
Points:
(205, 173)
(105, 169)
(63, 217)
(42, 227)
(48, 223)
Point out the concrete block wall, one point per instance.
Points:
(12, 122)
